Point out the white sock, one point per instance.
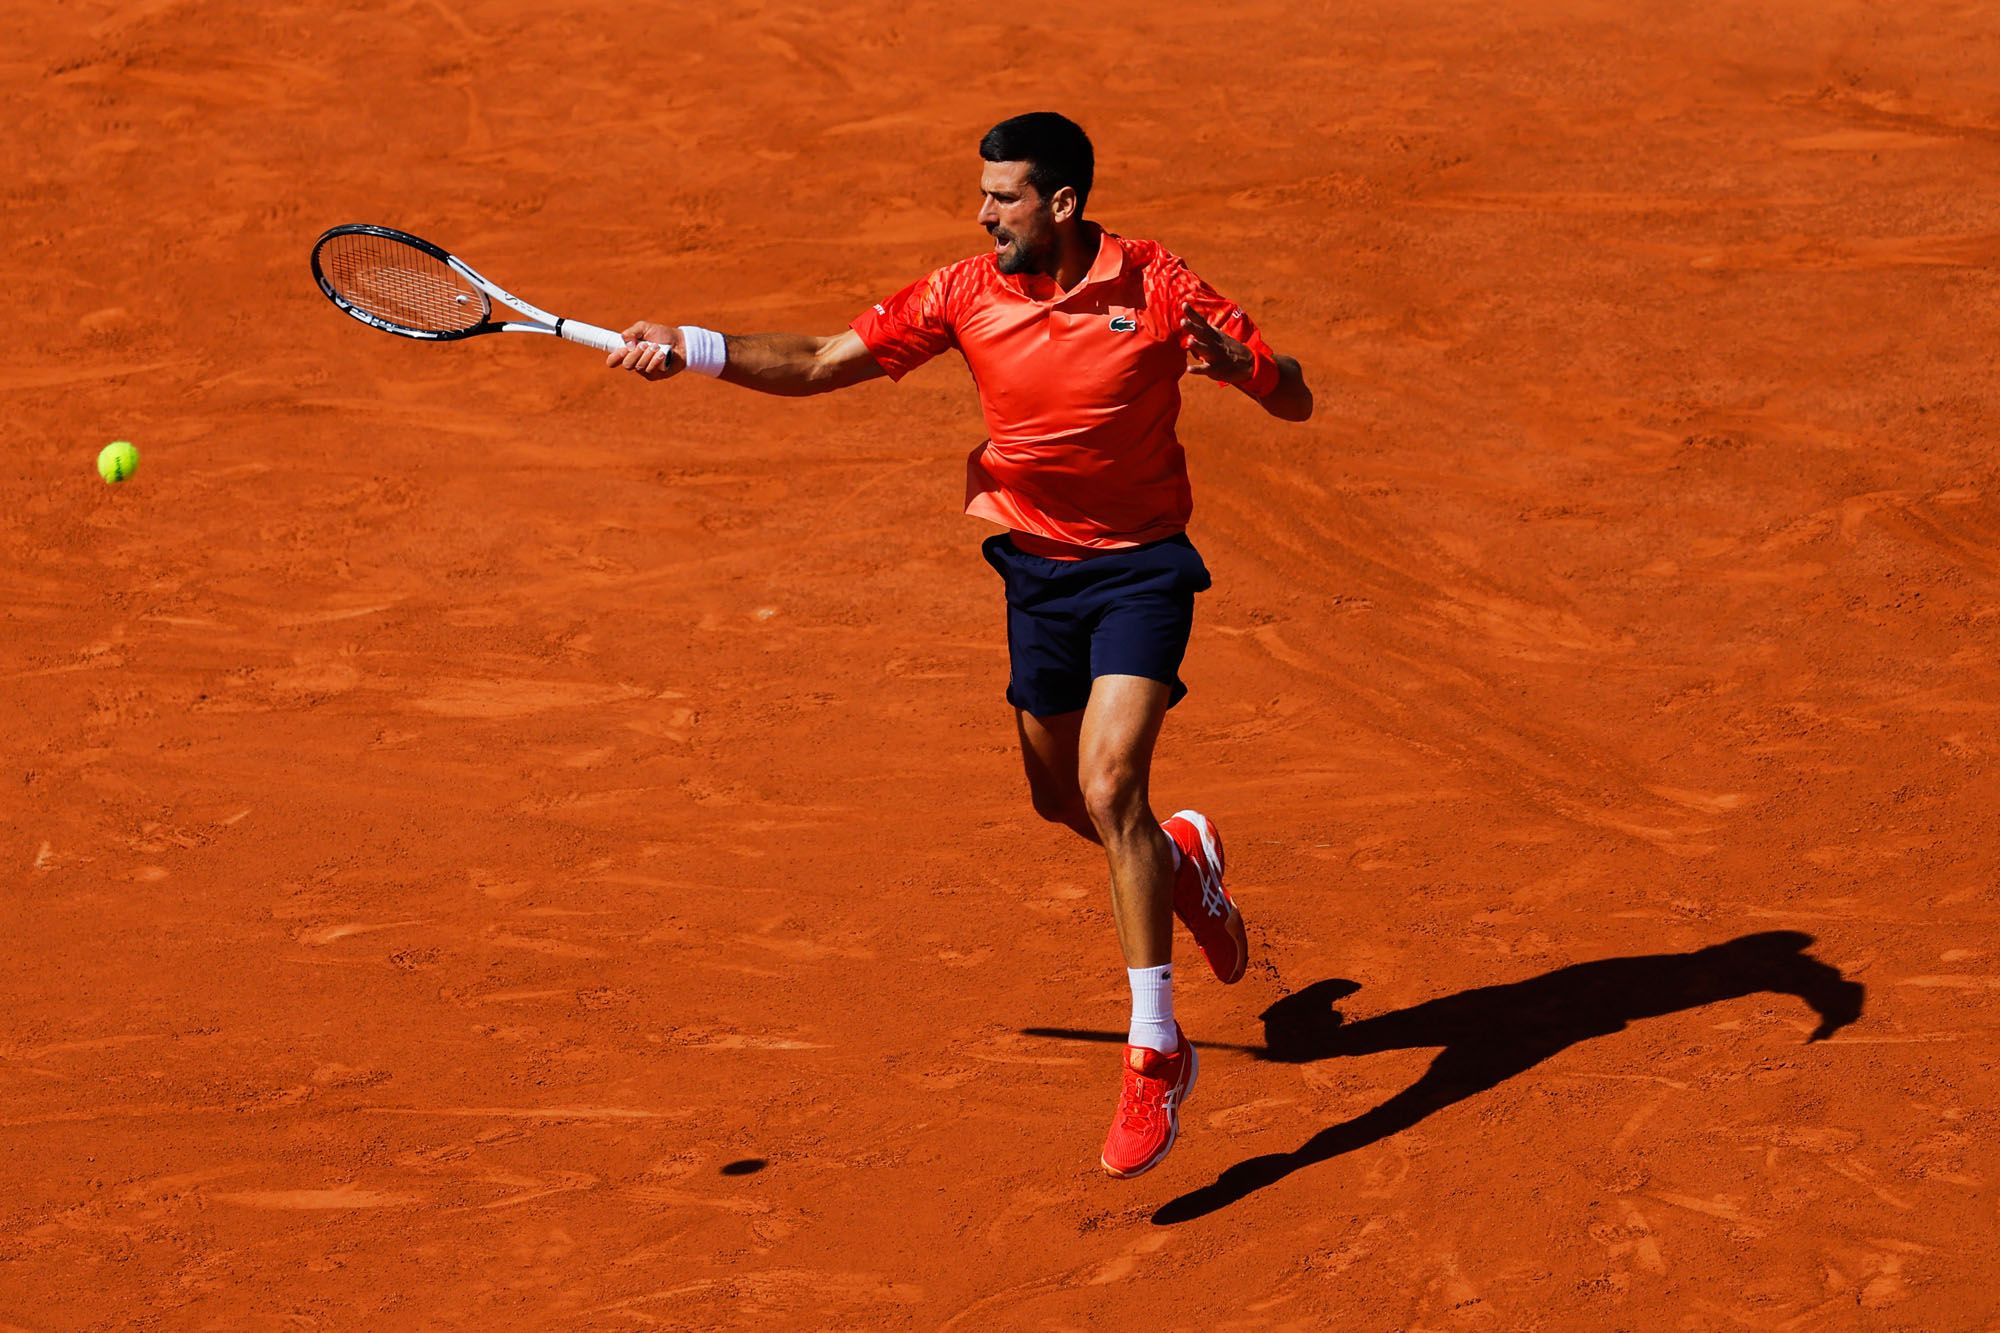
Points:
(1153, 1008)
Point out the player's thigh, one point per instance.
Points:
(1121, 725)
(1048, 630)
(1148, 615)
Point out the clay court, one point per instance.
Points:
(494, 843)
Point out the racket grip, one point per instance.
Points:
(604, 340)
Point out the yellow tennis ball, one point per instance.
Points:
(117, 460)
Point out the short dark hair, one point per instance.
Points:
(1055, 148)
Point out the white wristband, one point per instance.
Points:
(704, 350)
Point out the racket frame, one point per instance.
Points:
(538, 320)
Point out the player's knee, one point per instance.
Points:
(1113, 796)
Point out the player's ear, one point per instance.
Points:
(1062, 204)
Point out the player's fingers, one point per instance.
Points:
(1196, 327)
(666, 363)
(1193, 318)
(635, 333)
(1210, 349)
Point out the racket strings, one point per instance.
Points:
(401, 284)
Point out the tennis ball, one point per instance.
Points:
(117, 460)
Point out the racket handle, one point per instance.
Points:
(604, 340)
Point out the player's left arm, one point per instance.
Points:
(1217, 356)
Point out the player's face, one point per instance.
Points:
(1018, 219)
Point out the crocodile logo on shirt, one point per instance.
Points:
(1123, 324)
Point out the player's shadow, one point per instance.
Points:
(1492, 1033)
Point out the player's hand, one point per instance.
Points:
(653, 351)
(1211, 352)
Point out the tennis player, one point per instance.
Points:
(1078, 339)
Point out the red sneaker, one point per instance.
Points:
(1149, 1107)
(1201, 902)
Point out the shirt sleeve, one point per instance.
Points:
(910, 327)
(1181, 286)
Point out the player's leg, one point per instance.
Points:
(1048, 675)
(1114, 768)
(1087, 730)
(1049, 756)
(1144, 631)
(1115, 760)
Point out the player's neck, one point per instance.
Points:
(1078, 252)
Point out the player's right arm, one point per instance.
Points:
(892, 338)
(791, 365)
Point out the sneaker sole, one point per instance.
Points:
(1173, 1125)
(1232, 924)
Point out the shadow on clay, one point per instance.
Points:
(1492, 1033)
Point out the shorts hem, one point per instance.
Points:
(1177, 690)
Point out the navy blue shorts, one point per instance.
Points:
(1071, 621)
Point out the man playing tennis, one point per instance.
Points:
(1077, 339)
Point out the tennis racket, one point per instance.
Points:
(402, 284)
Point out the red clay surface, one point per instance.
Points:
(459, 801)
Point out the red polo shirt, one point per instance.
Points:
(1080, 389)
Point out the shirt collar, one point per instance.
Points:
(1106, 267)
(1110, 261)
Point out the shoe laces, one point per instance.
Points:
(1144, 1100)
